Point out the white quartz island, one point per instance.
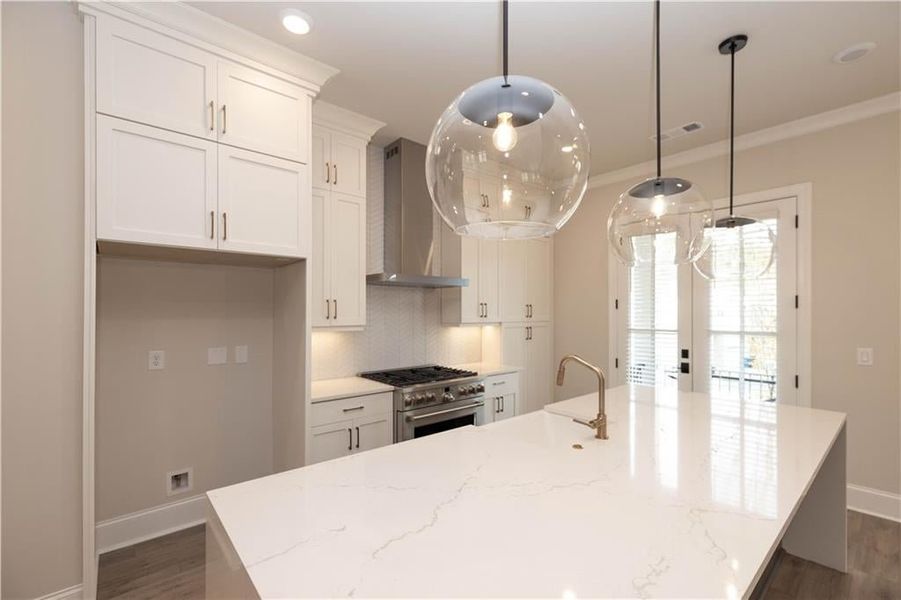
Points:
(688, 498)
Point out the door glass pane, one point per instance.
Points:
(743, 317)
(653, 314)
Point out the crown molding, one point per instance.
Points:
(220, 34)
(345, 121)
(804, 126)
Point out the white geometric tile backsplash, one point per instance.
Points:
(403, 325)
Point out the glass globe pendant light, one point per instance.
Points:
(739, 246)
(660, 206)
(508, 159)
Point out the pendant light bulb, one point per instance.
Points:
(504, 136)
(658, 206)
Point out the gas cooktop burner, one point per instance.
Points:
(417, 375)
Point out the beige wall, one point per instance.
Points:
(216, 419)
(854, 169)
(43, 122)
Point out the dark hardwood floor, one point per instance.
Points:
(171, 567)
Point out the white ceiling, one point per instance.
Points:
(403, 63)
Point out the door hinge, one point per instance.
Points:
(796, 300)
(796, 221)
(796, 382)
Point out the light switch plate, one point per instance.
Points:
(217, 355)
(240, 354)
(156, 360)
(865, 357)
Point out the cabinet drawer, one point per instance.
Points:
(355, 407)
(499, 385)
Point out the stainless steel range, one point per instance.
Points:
(430, 399)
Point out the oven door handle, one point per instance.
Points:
(413, 419)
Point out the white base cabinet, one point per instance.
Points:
(501, 396)
(350, 425)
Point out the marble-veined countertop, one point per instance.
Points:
(688, 498)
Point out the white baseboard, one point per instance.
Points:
(70, 593)
(874, 502)
(143, 525)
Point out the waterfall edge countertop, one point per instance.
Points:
(689, 497)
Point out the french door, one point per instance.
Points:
(734, 336)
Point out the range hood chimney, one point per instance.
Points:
(409, 247)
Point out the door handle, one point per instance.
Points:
(224, 118)
(336, 174)
(336, 307)
(328, 173)
(212, 224)
(350, 439)
(212, 116)
(224, 226)
(358, 436)
(413, 419)
(328, 308)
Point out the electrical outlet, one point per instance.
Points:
(178, 482)
(865, 357)
(217, 355)
(240, 354)
(156, 360)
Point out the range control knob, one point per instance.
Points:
(430, 397)
(408, 400)
(480, 388)
(447, 397)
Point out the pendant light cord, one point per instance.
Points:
(731, 129)
(657, 49)
(506, 43)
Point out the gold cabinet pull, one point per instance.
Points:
(224, 118)
(336, 307)
(212, 224)
(224, 226)
(328, 309)
(336, 175)
(212, 116)
(328, 173)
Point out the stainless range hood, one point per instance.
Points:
(409, 246)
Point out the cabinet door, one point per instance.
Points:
(332, 441)
(514, 352)
(321, 162)
(512, 280)
(488, 284)
(470, 298)
(264, 204)
(261, 113)
(320, 261)
(151, 78)
(154, 186)
(347, 248)
(539, 279)
(372, 432)
(506, 407)
(348, 164)
(539, 368)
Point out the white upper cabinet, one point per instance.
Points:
(155, 186)
(339, 161)
(151, 78)
(319, 258)
(262, 113)
(347, 241)
(475, 260)
(526, 280)
(263, 203)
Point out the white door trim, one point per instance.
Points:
(804, 194)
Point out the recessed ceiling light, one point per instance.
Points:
(852, 53)
(296, 21)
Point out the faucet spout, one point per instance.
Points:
(599, 423)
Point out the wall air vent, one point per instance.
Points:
(676, 132)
